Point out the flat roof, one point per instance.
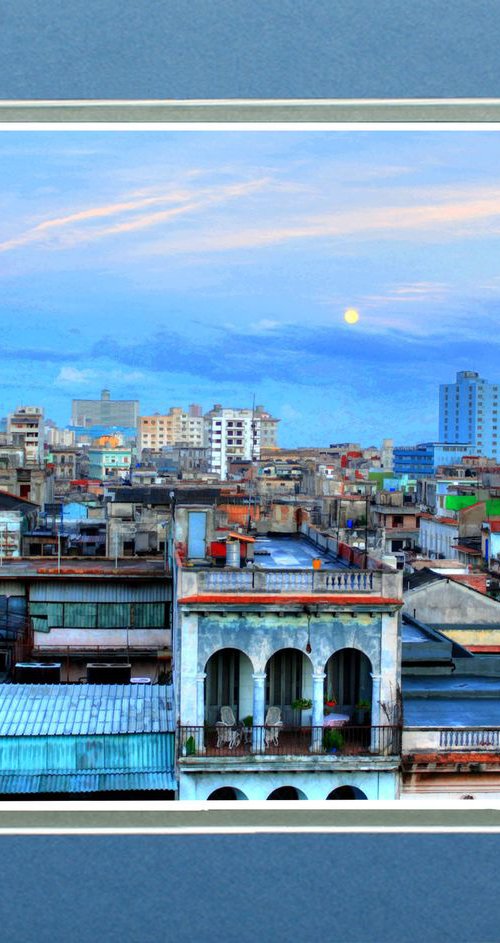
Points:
(290, 552)
(451, 701)
(71, 567)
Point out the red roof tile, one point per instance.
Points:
(486, 649)
(476, 581)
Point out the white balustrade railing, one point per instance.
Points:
(289, 581)
(459, 739)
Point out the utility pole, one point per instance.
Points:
(58, 548)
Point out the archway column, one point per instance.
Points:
(258, 711)
(200, 711)
(376, 709)
(318, 685)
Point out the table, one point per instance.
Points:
(335, 720)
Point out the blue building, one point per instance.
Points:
(423, 459)
(468, 412)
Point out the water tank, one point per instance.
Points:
(232, 553)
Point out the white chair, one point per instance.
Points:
(228, 733)
(273, 724)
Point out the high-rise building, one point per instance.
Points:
(104, 412)
(173, 428)
(468, 412)
(25, 428)
(237, 433)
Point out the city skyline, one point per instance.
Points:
(212, 266)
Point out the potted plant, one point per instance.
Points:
(333, 741)
(330, 705)
(189, 748)
(303, 704)
(363, 711)
(246, 728)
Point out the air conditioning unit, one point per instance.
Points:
(37, 672)
(108, 673)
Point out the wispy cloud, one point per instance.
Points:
(54, 231)
(436, 219)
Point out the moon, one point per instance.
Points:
(351, 316)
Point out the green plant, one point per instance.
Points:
(363, 705)
(190, 746)
(332, 740)
(248, 721)
(302, 704)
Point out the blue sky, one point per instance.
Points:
(212, 266)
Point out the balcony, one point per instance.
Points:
(441, 740)
(198, 744)
(289, 581)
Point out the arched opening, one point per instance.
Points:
(228, 683)
(287, 792)
(347, 792)
(226, 793)
(289, 679)
(348, 682)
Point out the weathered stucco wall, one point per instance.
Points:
(259, 637)
(377, 784)
(449, 602)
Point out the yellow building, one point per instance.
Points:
(173, 428)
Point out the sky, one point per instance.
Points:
(215, 266)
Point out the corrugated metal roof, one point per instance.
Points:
(37, 710)
(84, 782)
(79, 591)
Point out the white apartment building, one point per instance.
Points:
(64, 438)
(25, 428)
(237, 433)
(176, 427)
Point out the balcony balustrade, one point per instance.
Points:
(289, 581)
(346, 742)
(451, 739)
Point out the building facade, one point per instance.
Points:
(423, 459)
(288, 641)
(468, 412)
(237, 433)
(109, 462)
(25, 428)
(173, 428)
(104, 411)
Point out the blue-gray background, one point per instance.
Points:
(238, 889)
(67, 49)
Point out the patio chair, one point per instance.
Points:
(228, 732)
(273, 724)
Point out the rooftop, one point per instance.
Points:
(293, 553)
(143, 568)
(34, 710)
(451, 701)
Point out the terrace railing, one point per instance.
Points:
(289, 581)
(345, 742)
(451, 739)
